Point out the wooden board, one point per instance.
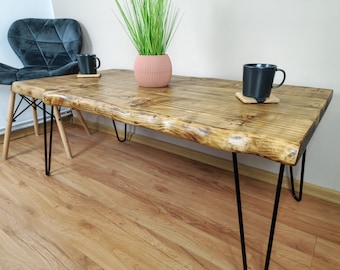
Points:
(203, 110)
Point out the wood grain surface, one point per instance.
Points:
(204, 110)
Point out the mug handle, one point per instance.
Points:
(98, 62)
(284, 78)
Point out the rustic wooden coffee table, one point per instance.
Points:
(202, 110)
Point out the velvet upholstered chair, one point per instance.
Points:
(46, 47)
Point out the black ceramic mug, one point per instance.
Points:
(258, 80)
(88, 63)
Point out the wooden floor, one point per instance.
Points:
(128, 206)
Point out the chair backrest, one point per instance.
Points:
(45, 42)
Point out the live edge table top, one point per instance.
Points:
(203, 110)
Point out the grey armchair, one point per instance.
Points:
(46, 47)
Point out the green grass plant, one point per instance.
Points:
(150, 24)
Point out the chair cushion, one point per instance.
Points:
(35, 72)
(7, 74)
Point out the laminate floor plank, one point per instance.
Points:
(129, 206)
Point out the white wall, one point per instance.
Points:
(217, 37)
(11, 11)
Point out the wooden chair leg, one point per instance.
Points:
(62, 132)
(82, 121)
(35, 117)
(9, 121)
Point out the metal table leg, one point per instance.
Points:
(276, 206)
(295, 196)
(48, 145)
(239, 208)
(117, 135)
(275, 209)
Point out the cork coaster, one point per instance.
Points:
(249, 100)
(97, 75)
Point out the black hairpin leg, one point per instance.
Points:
(276, 206)
(298, 197)
(240, 218)
(118, 138)
(239, 208)
(48, 146)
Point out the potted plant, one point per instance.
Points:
(150, 24)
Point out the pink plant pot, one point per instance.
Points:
(153, 70)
